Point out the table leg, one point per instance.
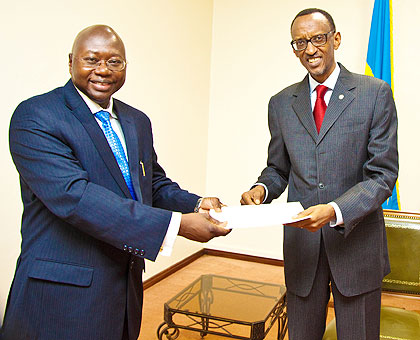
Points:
(205, 325)
(170, 332)
(282, 326)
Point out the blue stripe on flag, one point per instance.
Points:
(379, 62)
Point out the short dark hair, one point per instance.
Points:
(315, 10)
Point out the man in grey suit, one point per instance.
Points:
(341, 164)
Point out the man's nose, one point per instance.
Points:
(102, 68)
(310, 48)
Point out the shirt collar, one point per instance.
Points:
(329, 82)
(95, 107)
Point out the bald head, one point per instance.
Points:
(97, 34)
(97, 63)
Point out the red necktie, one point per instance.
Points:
(320, 106)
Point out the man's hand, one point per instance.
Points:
(201, 227)
(254, 196)
(208, 203)
(320, 215)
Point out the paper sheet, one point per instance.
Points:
(264, 215)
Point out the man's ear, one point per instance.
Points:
(337, 40)
(70, 62)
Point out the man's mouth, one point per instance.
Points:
(101, 85)
(314, 60)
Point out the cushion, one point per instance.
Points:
(396, 323)
(404, 256)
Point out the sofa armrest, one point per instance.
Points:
(403, 233)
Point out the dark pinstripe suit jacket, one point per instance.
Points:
(84, 239)
(353, 162)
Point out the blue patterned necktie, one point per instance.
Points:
(117, 149)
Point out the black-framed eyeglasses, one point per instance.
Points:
(316, 40)
(113, 64)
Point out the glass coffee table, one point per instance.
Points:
(226, 306)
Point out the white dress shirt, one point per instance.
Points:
(329, 82)
(174, 224)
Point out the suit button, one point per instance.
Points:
(125, 247)
(136, 251)
(321, 185)
(130, 249)
(142, 252)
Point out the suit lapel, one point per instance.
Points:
(340, 99)
(302, 107)
(86, 118)
(132, 143)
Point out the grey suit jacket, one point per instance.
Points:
(353, 162)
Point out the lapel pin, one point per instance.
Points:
(341, 96)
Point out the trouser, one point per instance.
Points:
(357, 317)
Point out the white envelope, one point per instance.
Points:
(264, 215)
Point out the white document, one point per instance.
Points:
(264, 215)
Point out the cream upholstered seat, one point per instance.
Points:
(403, 233)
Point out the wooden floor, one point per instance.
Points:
(158, 294)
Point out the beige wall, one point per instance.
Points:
(210, 128)
(168, 47)
(406, 73)
(252, 60)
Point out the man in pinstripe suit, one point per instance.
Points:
(341, 169)
(85, 234)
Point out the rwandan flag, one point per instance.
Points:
(379, 63)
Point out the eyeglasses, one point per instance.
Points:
(113, 64)
(316, 40)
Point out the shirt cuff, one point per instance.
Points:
(338, 215)
(171, 233)
(265, 188)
